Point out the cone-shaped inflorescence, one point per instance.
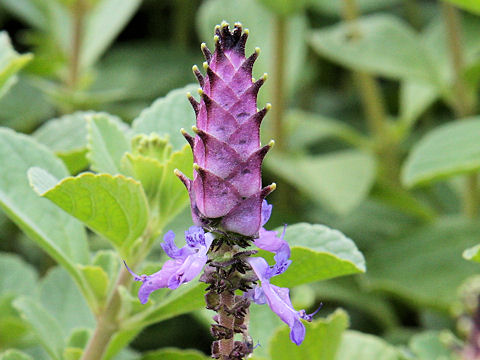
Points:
(226, 191)
(228, 206)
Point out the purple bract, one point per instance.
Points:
(227, 182)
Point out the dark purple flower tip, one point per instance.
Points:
(195, 237)
(309, 317)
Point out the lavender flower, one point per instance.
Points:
(278, 298)
(185, 265)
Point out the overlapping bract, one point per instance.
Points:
(227, 184)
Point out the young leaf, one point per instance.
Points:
(113, 206)
(322, 340)
(415, 97)
(61, 236)
(165, 193)
(43, 325)
(66, 136)
(338, 180)
(10, 62)
(98, 280)
(472, 254)
(385, 46)
(318, 253)
(167, 115)
(107, 142)
(14, 355)
(358, 346)
(446, 151)
(470, 5)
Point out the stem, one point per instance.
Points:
(412, 13)
(182, 22)
(280, 31)
(463, 103)
(78, 10)
(373, 104)
(106, 322)
(226, 345)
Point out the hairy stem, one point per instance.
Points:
(79, 10)
(226, 345)
(280, 31)
(373, 104)
(464, 104)
(106, 321)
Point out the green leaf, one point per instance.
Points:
(98, 280)
(66, 136)
(335, 8)
(14, 355)
(174, 354)
(152, 69)
(415, 97)
(321, 341)
(305, 128)
(446, 151)
(61, 298)
(358, 346)
(338, 180)
(10, 62)
(113, 206)
(385, 46)
(167, 115)
(434, 38)
(61, 236)
(16, 276)
(259, 21)
(318, 253)
(166, 194)
(428, 346)
(472, 254)
(26, 10)
(187, 298)
(104, 23)
(284, 7)
(107, 143)
(24, 106)
(261, 327)
(43, 325)
(395, 265)
(470, 5)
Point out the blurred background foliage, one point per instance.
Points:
(368, 97)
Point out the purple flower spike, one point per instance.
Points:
(278, 298)
(185, 265)
(227, 183)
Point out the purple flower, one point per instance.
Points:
(227, 181)
(268, 240)
(185, 265)
(278, 298)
